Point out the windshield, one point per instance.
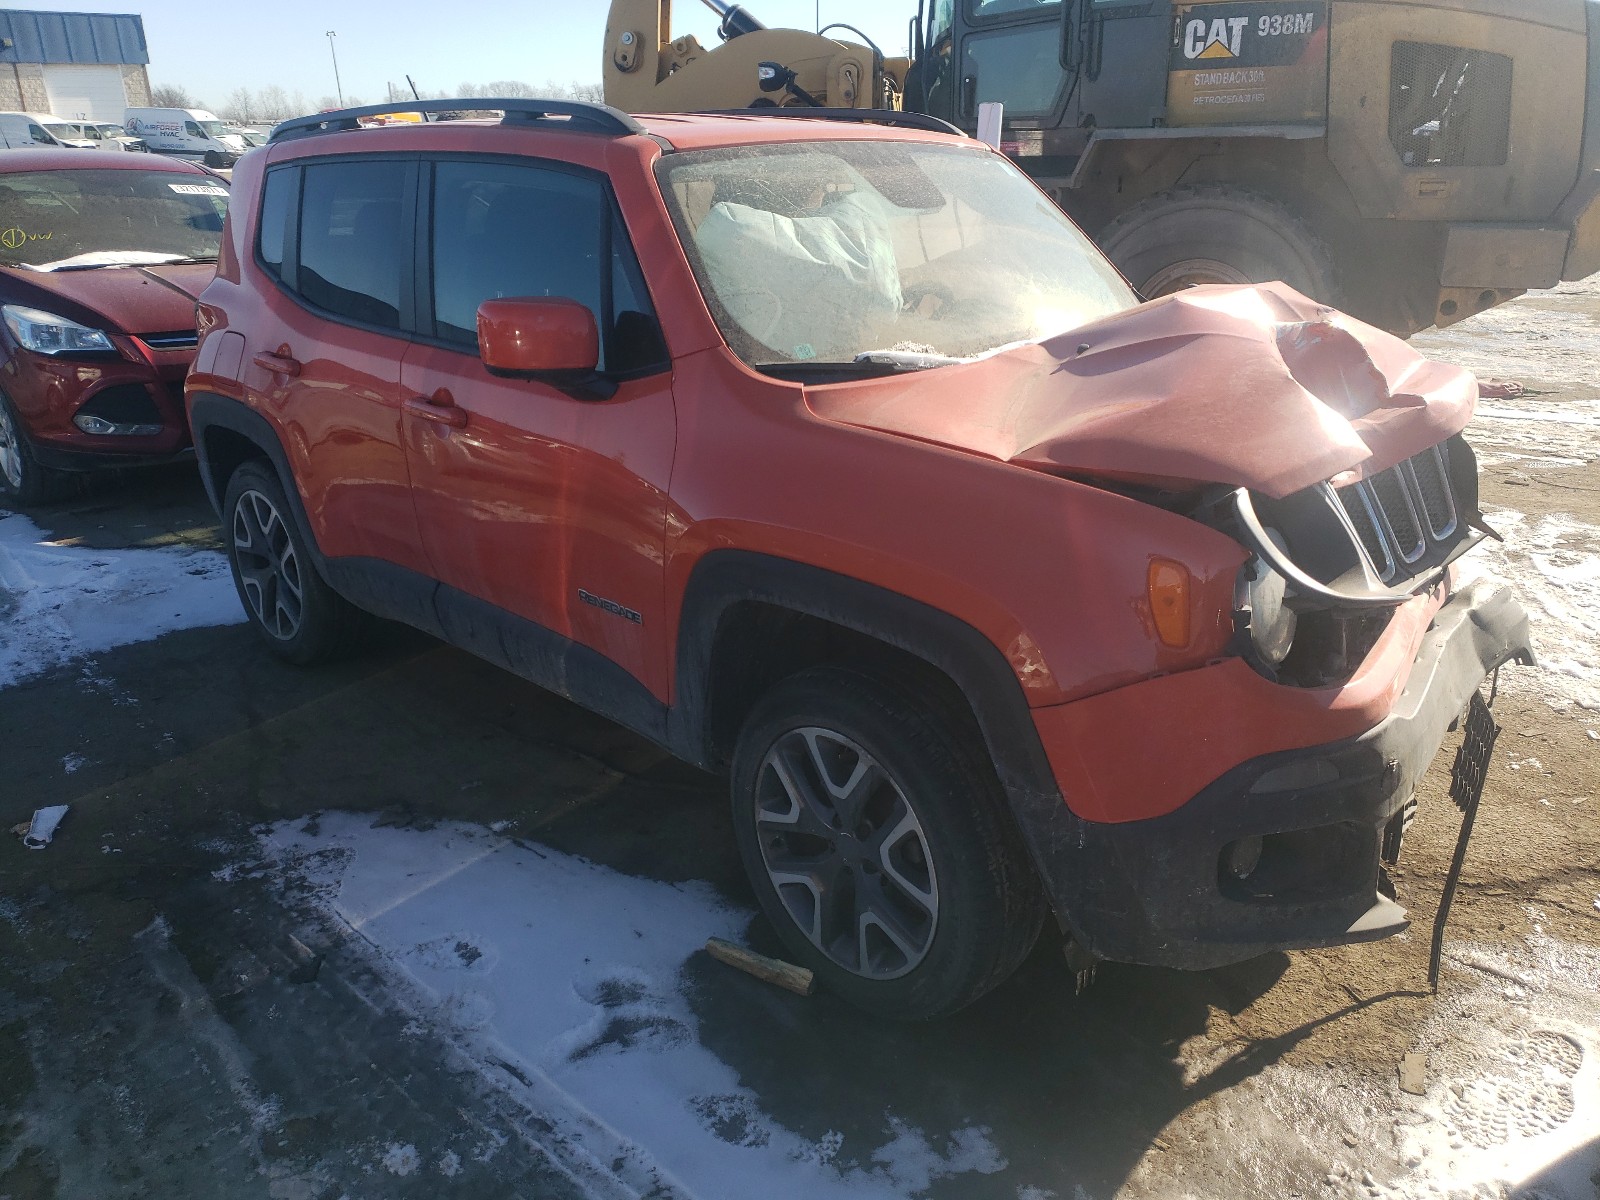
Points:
(827, 251)
(66, 133)
(51, 219)
(213, 128)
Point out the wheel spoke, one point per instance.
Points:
(832, 756)
(10, 450)
(877, 922)
(267, 565)
(806, 813)
(821, 898)
(902, 853)
(846, 853)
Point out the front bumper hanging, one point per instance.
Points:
(1161, 892)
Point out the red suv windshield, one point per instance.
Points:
(825, 251)
(55, 220)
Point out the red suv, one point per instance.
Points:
(828, 454)
(101, 258)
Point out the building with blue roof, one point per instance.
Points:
(81, 66)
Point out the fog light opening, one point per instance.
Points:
(1240, 859)
(101, 427)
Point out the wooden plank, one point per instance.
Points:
(772, 970)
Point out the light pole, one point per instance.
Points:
(339, 87)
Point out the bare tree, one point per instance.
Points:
(327, 103)
(273, 105)
(170, 95)
(510, 89)
(239, 106)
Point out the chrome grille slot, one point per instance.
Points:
(1399, 513)
(1430, 474)
(1398, 516)
(1363, 516)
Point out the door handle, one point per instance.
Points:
(278, 361)
(430, 410)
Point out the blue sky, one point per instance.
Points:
(213, 48)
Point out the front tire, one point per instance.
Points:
(874, 833)
(301, 618)
(1211, 233)
(23, 482)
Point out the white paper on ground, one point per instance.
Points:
(44, 825)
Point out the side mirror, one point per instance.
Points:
(552, 339)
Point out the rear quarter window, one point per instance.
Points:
(277, 205)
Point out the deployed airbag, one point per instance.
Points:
(808, 283)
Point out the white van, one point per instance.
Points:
(186, 133)
(30, 131)
(93, 135)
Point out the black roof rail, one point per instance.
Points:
(874, 116)
(596, 118)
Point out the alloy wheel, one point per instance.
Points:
(846, 853)
(268, 566)
(10, 449)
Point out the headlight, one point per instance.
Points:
(46, 333)
(1272, 623)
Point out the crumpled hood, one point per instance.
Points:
(153, 299)
(1258, 387)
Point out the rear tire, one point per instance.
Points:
(1211, 233)
(875, 836)
(301, 618)
(23, 482)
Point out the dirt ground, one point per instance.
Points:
(185, 1010)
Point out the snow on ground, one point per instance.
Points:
(1544, 337)
(1536, 432)
(1553, 563)
(59, 603)
(563, 982)
(1511, 1103)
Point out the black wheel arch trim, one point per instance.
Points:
(725, 578)
(208, 411)
(380, 588)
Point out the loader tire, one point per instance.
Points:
(1211, 233)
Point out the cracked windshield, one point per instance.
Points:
(882, 254)
(63, 220)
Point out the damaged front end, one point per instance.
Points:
(1253, 803)
(1330, 563)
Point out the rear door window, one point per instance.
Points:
(504, 229)
(354, 249)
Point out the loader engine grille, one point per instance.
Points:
(1449, 107)
(1405, 517)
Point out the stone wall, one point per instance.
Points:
(31, 94)
(136, 85)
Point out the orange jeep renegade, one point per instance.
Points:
(829, 454)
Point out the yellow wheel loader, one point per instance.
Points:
(1412, 161)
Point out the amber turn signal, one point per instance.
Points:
(1169, 601)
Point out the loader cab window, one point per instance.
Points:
(1017, 64)
(984, 10)
(935, 71)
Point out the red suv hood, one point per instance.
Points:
(1247, 386)
(131, 299)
